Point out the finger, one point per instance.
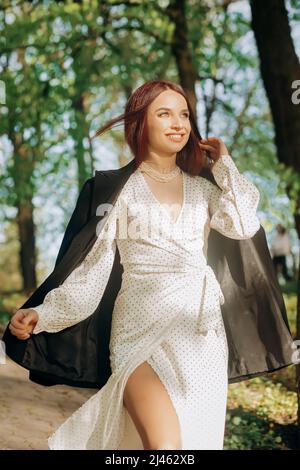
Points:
(211, 142)
(26, 336)
(214, 139)
(19, 316)
(27, 319)
(29, 315)
(207, 147)
(23, 335)
(18, 331)
(17, 323)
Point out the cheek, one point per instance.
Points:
(188, 128)
(156, 129)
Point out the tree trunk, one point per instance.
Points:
(27, 245)
(279, 67)
(22, 170)
(180, 49)
(79, 134)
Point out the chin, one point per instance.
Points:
(171, 149)
(177, 145)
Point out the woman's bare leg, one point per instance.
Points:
(151, 409)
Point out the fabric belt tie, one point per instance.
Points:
(210, 316)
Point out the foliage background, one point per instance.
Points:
(67, 68)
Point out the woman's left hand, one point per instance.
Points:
(215, 146)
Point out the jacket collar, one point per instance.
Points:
(129, 167)
(109, 183)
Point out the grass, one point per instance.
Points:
(262, 412)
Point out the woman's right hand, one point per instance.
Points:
(23, 323)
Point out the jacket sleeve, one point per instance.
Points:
(233, 205)
(79, 295)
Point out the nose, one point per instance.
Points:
(176, 123)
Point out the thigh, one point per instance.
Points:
(151, 409)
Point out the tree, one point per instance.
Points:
(280, 68)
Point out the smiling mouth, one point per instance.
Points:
(176, 137)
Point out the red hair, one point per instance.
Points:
(190, 158)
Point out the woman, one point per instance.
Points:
(168, 349)
(280, 249)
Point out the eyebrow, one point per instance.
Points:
(169, 109)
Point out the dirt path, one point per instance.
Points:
(29, 412)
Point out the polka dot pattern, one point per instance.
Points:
(237, 192)
(167, 311)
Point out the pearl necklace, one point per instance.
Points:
(157, 175)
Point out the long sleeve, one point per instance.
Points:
(233, 205)
(78, 296)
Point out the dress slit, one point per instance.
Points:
(131, 438)
(163, 381)
(129, 433)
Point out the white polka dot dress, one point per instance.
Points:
(167, 311)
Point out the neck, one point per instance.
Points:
(161, 164)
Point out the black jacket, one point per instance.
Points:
(254, 314)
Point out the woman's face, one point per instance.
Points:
(168, 123)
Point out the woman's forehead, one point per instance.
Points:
(169, 99)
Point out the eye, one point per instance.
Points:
(187, 115)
